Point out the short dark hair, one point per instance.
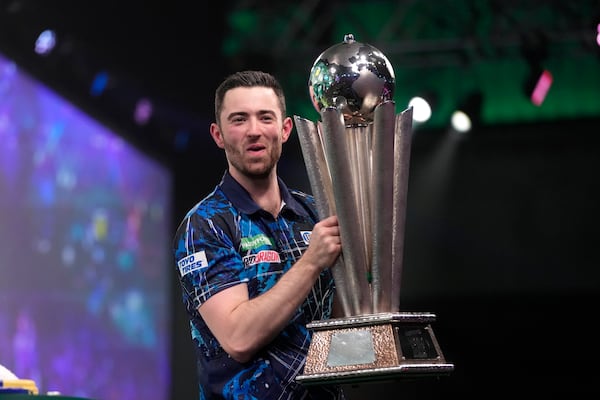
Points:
(248, 79)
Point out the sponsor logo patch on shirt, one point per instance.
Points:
(254, 242)
(306, 236)
(270, 256)
(193, 262)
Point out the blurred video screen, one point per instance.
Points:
(85, 221)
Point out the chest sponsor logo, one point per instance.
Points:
(269, 256)
(254, 242)
(193, 262)
(305, 236)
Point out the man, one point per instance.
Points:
(253, 256)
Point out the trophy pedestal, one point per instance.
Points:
(373, 347)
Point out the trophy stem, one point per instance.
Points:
(402, 148)
(320, 182)
(383, 207)
(359, 139)
(353, 249)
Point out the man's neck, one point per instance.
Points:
(264, 191)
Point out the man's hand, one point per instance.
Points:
(325, 243)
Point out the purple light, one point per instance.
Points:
(541, 88)
(143, 111)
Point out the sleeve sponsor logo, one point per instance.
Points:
(305, 236)
(193, 262)
(269, 256)
(254, 242)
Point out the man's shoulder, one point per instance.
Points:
(211, 214)
(213, 204)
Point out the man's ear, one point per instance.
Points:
(215, 132)
(288, 125)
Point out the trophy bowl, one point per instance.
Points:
(353, 77)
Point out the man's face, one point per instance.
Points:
(251, 130)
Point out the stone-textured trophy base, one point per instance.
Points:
(373, 347)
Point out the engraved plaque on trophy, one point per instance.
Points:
(357, 159)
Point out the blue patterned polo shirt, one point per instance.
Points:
(225, 240)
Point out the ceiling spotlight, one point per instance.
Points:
(461, 122)
(45, 42)
(421, 109)
(468, 114)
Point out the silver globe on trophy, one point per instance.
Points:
(357, 161)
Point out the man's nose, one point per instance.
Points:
(254, 126)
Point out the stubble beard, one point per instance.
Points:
(249, 168)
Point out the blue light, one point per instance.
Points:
(99, 83)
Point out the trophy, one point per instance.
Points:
(357, 161)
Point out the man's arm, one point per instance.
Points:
(242, 325)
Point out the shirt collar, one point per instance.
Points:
(241, 199)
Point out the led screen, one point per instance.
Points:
(85, 221)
